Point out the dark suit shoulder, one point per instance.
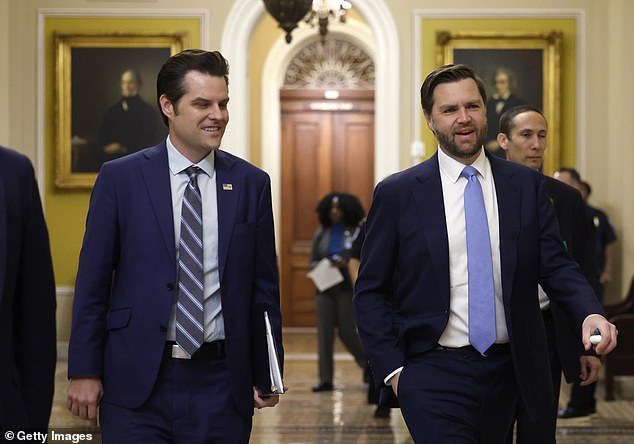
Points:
(515, 172)
(233, 161)
(16, 170)
(11, 159)
(499, 164)
(566, 199)
(557, 188)
(422, 169)
(132, 159)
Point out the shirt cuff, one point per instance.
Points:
(389, 377)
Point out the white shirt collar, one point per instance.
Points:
(178, 163)
(451, 168)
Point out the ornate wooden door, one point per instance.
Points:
(327, 145)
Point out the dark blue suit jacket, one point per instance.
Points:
(576, 232)
(406, 243)
(127, 276)
(27, 299)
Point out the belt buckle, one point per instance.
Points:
(179, 353)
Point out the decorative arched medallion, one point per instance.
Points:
(336, 64)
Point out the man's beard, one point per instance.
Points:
(448, 143)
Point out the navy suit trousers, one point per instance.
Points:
(458, 396)
(191, 402)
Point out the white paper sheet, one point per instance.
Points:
(277, 386)
(325, 275)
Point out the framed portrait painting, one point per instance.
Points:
(517, 69)
(105, 99)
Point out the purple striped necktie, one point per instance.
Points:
(189, 307)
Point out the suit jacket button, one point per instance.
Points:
(163, 328)
(170, 287)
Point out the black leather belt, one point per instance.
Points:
(494, 350)
(209, 350)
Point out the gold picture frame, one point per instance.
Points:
(534, 60)
(89, 82)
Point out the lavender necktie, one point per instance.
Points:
(480, 265)
(189, 306)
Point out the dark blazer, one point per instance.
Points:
(127, 276)
(576, 232)
(27, 299)
(406, 239)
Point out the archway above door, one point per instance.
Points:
(241, 21)
(335, 64)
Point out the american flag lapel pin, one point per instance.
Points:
(227, 186)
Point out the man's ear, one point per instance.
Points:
(502, 140)
(166, 106)
(430, 122)
(427, 117)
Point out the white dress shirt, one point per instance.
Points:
(212, 307)
(456, 333)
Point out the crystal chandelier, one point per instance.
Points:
(315, 12)
(324, 10)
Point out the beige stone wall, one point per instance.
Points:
(4, 75)
(611, 156)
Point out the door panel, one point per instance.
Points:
(326, 146)
(353, 154)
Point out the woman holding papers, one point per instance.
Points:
(339, 214)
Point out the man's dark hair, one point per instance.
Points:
(587, 186)
(574, 174)
(507, 118)
(447, 74)
(171, 78)
(350, 207)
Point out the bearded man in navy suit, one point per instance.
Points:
(125, 356)
(27, 300)
(412, 294)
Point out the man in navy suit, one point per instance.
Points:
(523, 134)
(125, 357)
(27, 300)
(417, 332)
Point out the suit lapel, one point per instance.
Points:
(228, 189)
(509, 213)
(428, 196)
(155, 172)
